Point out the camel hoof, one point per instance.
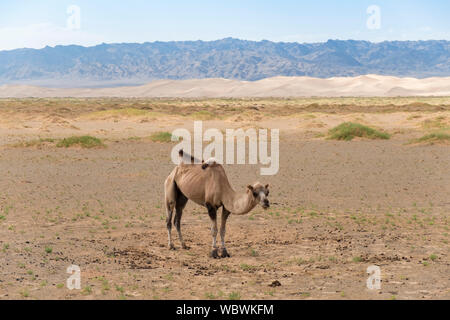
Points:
(224, 253)
(185, 247)
(171, 247)
(215, 254)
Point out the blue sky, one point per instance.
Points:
(35, 24)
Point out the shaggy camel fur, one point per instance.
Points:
(207, 185)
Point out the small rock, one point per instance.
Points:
(275, 283)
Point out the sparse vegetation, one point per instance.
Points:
(301, 261)
(120, 289)
(436, 123)
(253, 253)
(122, 112)
(234, 296)
(154, 108)
(203, 115)
(349, 130)
(35, 143)
(209, 295)
(248, 267)
(432, 138)
(82, 141)
(25, 293)
(161, 137)
(305, 294)
(87, 290)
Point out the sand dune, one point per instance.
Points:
(368, 85)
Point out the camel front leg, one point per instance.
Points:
(225, 214)
(212, 211)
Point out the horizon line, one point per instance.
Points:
(221, 39)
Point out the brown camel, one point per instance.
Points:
(207, 184)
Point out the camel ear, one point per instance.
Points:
(267, 186)
(250, 187)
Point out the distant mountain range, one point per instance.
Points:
(131, 63)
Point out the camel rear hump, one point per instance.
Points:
(186, 158)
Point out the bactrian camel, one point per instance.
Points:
(207, 184)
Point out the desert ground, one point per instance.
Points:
(337, 207)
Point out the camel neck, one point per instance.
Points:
(238, 202)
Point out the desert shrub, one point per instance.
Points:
(348, 130)
(203, 115)
(433, 138)
(82, 141)
(161, 137)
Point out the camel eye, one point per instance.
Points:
(255, 194)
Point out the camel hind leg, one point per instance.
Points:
(170, 202)
(169, 212)
(180, 204)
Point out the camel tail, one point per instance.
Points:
(186, 158)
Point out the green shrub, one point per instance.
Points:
(433, 137)
(82, 141)
(348, 130)
(161, 137)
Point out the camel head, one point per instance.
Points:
(260, 194)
